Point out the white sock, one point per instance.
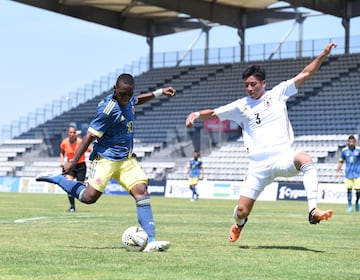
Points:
(310, 182)
(239, 222)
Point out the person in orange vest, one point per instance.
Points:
(68, 147)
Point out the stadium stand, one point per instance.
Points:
(325, 107)
(16, 154)
(216, 84)
(230, 161)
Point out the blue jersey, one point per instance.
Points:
(113, 127)
(352, 161)
(195, 167)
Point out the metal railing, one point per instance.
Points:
(258, 52)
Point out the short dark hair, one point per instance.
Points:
(254, 70)
(352, 137)
(126, 79)
(72, 124)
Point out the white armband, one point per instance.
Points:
(157, 92)
(197, 115)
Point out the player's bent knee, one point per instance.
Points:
(139, 190)
(89, 200)
(242, 212)
(89, 196)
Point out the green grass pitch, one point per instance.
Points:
(40, 240)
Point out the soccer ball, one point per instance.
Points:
(134, 239)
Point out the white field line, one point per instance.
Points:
(20, 221)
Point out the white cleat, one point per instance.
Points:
(157, 246)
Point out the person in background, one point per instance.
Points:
(351, 156)
(195, 171)
(68, 147)
(112, 129)
(268, 137)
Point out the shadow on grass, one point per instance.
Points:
(98, 248)
(293, 248)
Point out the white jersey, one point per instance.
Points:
(265, 123)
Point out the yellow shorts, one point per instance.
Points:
(193, 181)
(352, 183)
(127, 172)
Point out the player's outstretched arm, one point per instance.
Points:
(202, 115)
(83, 147)
(311, 68)
(146, 97)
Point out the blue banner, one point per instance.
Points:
(291, 191)
(9, 184)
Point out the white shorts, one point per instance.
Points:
(264, 168)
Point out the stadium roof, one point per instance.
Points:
(152, 18)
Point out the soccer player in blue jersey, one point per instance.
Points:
(195, 171)
(351, 156)
(112, 131)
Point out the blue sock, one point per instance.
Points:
(145, 216)
(194, 193)
(70, 186)
(349, 195)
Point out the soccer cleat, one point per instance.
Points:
(316, 215)
(235, 231)
(349, 209)
(157, 246)
(48, 177)
(71, 209)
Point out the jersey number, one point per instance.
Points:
(258, 120)
(130, 127)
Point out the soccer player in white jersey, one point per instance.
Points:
(268, 136)
(112, 131)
